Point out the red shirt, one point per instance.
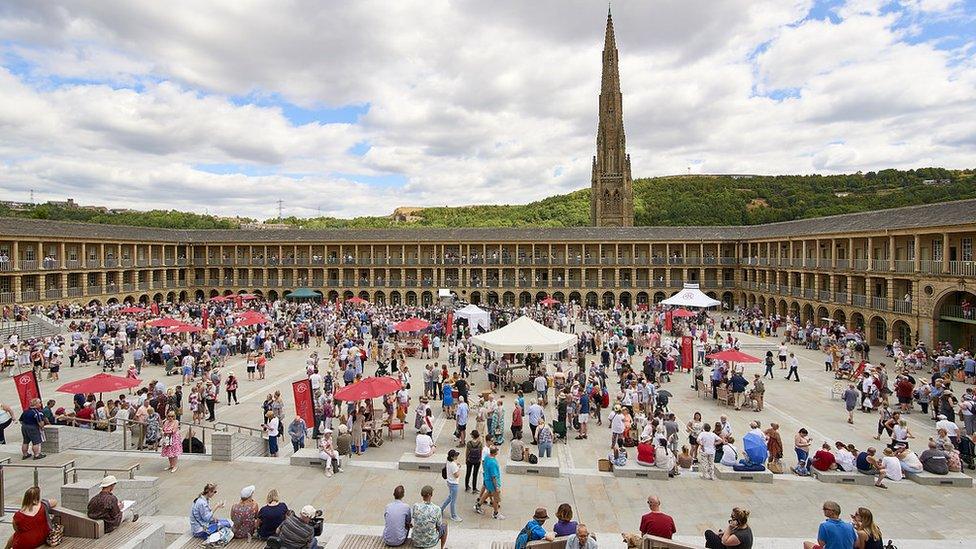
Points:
(823, 459)
(645, 453)
(657, 524)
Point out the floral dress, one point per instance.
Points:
(153, 429)
(172, 445)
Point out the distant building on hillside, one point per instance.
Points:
(267, 226)
(405, 214)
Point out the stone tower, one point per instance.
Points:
(612, 190)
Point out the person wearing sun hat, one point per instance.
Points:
(107, 508)
(534, 530)
(328, 454)
(244, 514)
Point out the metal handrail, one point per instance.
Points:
(5, 463)
(240, 428)
(113, 423)
(130, 471)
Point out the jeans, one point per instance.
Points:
(452, 494)
(801, 457)
(545, 449)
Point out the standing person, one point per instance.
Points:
(461, 416)
(297, 430)
(833, 533)
(452, 473)
(232, 388)
(656, 523)
(31, 426)
(851, 397)
(801, 443)
(271, 426)
(545, 438)
(6, 418)
(210, 398)
(707, 440)
(868, 533)
(738, 534)
(427, 521)
(794, 368)
(769, 365)
(171, 445)
(492, 484)
(783, 350)
(472, 462)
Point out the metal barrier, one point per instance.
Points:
(127, 435)
(5, 464)
(254, 431)
(130, 471)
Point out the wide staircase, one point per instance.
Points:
(36, 326)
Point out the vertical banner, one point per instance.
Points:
(27, 388)
(238, 301)
(449, 328)
(303, 401)
(154, 308)
(687, 353)
(668, 322)
(205, 317)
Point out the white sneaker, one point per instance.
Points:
(499, 516)
(457, 519)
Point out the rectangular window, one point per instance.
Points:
(967, 249)
(937, 249)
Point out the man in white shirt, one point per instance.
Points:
(316, 380)
(794, 366)
(951, 429)
(707, 440)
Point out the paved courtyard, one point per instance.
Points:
(788, 508)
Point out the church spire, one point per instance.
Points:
(611, 193)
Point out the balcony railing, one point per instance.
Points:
(859, 264)
(93, 264)
(53, 293)
(72, 263)
(962, 268)
(902, 306)
(879, 303)
(859, 300)
(126, 262)
(76, 291)
(904, 266)
(823, 295)
(930, 266)
(27, 265)
(843, 264)
(809, 293)
(128, 286)
(7, 297)
(29, 295)
(842, 297)
(111, 263)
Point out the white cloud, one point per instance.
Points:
(469, 101)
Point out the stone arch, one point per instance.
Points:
(157, 298)
(822, 313)
(771, 306)
(170, 297)
(712, 295)
(380, 298)
(807, 314)
(128, 300)
(112, 300)
(144, 299)
(877, 332)
(214, 293)
(183, 295)
(347, 294)
(395, 298)
(840, 317)
(411, 297)
(608, 300)
(508, 299)
(95, 303)
(659, 297)
(492, 298)
(228, 293)
(642, 298)
(857, 321)
(333, 295)
(364, 295)
(625, 300)
(794, 310)
(591, 299)
(475, 298)
(782, 310)
(901, 331)
(559, 296)
(426, 299)
(539, 296)
(525, 298)
(952, 321)
(272, 295)
(258, 293)
(575, 297)
(728, 300)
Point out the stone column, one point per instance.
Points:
(945, 252)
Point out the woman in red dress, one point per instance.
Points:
(30, 523)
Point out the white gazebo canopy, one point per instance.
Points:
(525, 335)
(477, 318)
(691, 296)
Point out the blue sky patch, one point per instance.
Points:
(386, 180)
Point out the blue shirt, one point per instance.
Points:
(271, 518)
(836, 534)
(462, 414)
(584, 404)
(490, 472)
(535, 532)
(200, 516)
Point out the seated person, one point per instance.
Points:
(297, 531)
(396, 520)
(866, 462)
(891, 466)
(685, 459)
(107, 508)
(425, 445)
(328, 455)
(844, 456)
(271, 516)
(824, 459)
(645, 454)
(30, 523)
(910, 463)
(663, 458)
(934, 461)
(618, 456)
(244, 514)
(202, 519)
(344, 441)
(955, 459)
(730, 456)
(518, 452)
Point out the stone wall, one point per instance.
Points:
(143, 490)
(230, 446)
(61, 438)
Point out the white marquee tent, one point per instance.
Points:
(691, 296)
(478, 318)
(525, 335)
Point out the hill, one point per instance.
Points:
(673, 200)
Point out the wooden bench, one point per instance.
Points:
(724, 472)
(547, 467)
(364, 541)
(953, 480)
(305, 456)
(842, 477)
(654, 542)
(558, 543)
(78, 525)
(141, 534)
(411, 462)
(195, 543)
(635, 470)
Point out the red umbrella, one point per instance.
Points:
(356, 300)
(99, 383)
(165, 322)
(184, 329)
(371, 387)
(250, 318)
(732, 355)
(132, 310)
(549, 302)
(219, 298)
(248, 297)
(411, 325)
(682, 313)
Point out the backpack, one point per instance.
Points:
(473, 454)
(533, 459)
(444, 472)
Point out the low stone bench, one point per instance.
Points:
(654, 542)
(954, 480)
(305, 456)
(547, 467)
(842, 477)
(635, 470)
(411, 462)
(724, 472)
(364, 541)
(138, 535)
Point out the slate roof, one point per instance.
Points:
(961, 212)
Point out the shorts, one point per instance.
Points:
(32, 434)
(250, 369)
(490, 487)
(584, 418)
(904, 400)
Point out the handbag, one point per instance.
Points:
(55, 533)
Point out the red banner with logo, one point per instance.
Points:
(668, 322)
(304, 407)
(687, 353)
(154, 308)
(205, 317)
(27, 388)
(449, 329)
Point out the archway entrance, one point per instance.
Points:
(955, 318)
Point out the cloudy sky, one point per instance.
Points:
(354, 108)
